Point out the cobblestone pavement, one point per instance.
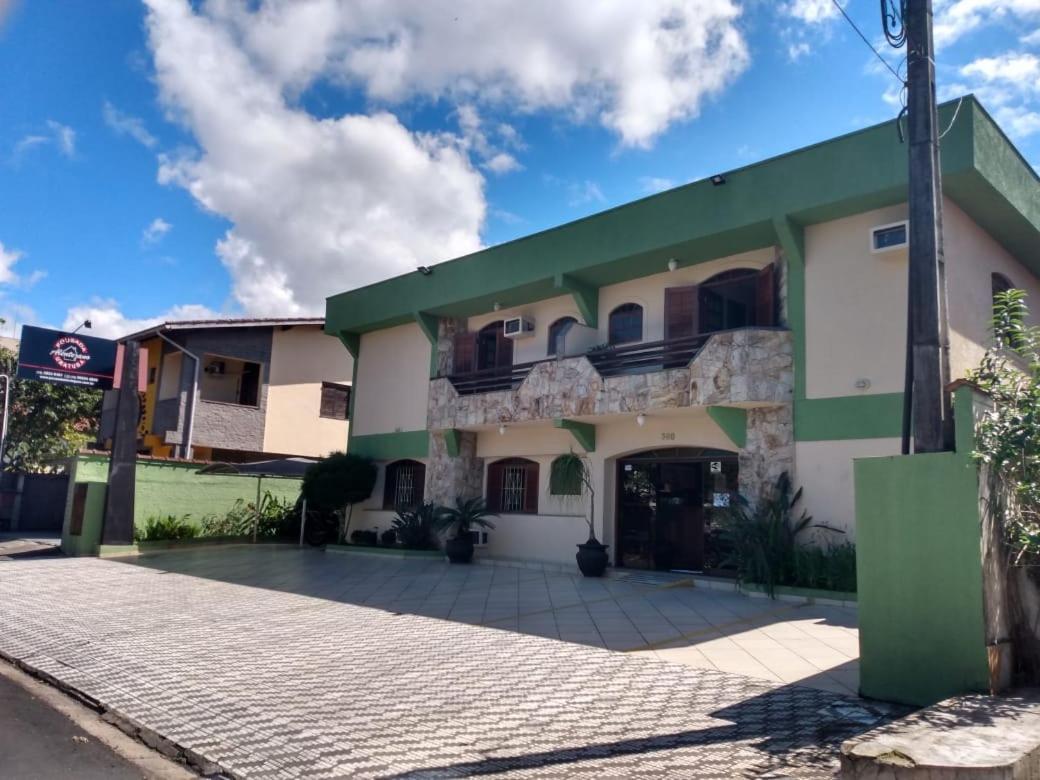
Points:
(710, 629)
(269, 683)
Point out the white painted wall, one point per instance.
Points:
(393, 380)
(302, 358)
(855, 312)
(972, 256)
(824, 470)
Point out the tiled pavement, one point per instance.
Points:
(237, 665)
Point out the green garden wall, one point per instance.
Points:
(919, 564)
(166, 488)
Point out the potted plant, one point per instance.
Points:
(573, 470)
(458, 522)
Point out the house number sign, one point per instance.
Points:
(669, 436)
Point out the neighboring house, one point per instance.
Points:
(260, 388)
(693, 344)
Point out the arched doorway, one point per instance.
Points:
(494, 350)
(664, 502)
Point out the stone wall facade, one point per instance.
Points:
(754, 366)
(448, 478)
(769, 450)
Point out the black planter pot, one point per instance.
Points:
(459, 550)
(592, 558)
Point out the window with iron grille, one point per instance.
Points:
(403, 487)
(512, 486)
(335, 401)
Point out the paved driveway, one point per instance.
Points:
(235, 663)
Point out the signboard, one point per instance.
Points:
(66, 358)
(715, 467)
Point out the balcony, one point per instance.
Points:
(748, 367)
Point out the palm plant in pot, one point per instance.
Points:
(571, 475)
(459, 522)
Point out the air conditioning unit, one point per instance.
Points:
(218, 367)
(517, 328)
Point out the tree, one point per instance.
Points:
(339, 482)
(46, 422)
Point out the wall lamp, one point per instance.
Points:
(501, 430)
(640, 419)
(425, 270)
(718, 179)
(673, 264)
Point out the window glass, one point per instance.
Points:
(728, 301)
(335, 401)
(557, 332)
(626, 324)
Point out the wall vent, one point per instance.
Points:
(886, 238)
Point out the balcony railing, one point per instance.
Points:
(640, 358)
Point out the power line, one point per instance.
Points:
(869, 44)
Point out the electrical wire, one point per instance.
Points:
(864, 38)
(956, 111)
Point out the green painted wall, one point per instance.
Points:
(922, 634)
(849, 417)
(168, 488)
(391, 446)
(86, 543)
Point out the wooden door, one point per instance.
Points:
(765, 296)
(680, 312)
(465, 353)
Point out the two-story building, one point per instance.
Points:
(242, 389)
(692, 344)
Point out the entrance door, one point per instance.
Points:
(663, 498)
(494, 350)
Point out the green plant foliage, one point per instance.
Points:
(416, 527)
(571, 472)
(339, 480)
(467, 514)
(46, 422)
(763, 540)
(166, 528)
(277, 518)
(1007, 436)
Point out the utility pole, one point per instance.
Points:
(118, 524)
(927, 338)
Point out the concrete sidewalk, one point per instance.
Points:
(273, 684)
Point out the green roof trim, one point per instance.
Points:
(391, 446)
(733, 422)
(983, 173)
(583, 433)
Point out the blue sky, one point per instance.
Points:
(167, 159)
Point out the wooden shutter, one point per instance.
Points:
(531, 488)
(465, 360)
(680, 312)
(335, 401)
(503, 350)
(765, 297)
(493, 495)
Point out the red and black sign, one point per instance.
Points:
(66, 358)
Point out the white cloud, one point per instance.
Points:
(126, 124)
(811, 11)
(317, 206)
(487, 145)
(1009, 85)
(1023, 69)
(155, 231)
(634, 67)
(580, 193)
(8, 257)
(795, 51)
(108, 321)
(64, 137)
(956, 18)
(503, 162)
(652, 184)
(1032, 39)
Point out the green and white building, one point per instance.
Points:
(694, 343)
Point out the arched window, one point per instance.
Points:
(728, 300)
(1000, 284)
(626, 324)
(403, 484)
(494, 350)
(557, 331)
(512, 486)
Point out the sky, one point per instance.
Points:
(169, 159)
